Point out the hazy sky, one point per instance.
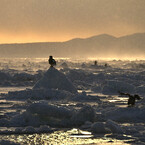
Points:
(60, 20)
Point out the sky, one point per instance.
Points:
(60, 20)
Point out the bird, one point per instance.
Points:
(131, 99)
(51, 61)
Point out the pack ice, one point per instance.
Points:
(55, 102)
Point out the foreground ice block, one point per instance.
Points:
(53, 79)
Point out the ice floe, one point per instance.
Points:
(53, 79)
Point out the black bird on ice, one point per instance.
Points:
(51, 61)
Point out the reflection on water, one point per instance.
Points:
(118, 101)
(69, 137)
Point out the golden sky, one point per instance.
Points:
(61, 20)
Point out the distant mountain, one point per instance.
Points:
(103, 45)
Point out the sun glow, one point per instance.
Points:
(30, 37)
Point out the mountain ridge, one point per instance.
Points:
(104, 34)
(98, 45)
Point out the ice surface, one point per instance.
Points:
(74, 118)
(86, 113)
(44, 128)
(45, 110)
(128, 114)
(99, 128)
(114, 127)
(42, 113)
(140, 90)
(113, 87)
(64, 65)
(96, 108)
(106, 127)
(29, 129)
(39, 94)
(53, 79)
(84, 97)
(24, 119)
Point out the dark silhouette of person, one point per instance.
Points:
(52, 61)
(132, 98)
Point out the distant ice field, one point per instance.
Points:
(53, 112)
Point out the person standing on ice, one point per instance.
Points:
(52, 61)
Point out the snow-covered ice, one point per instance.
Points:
(53, 79)
(38, 99)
